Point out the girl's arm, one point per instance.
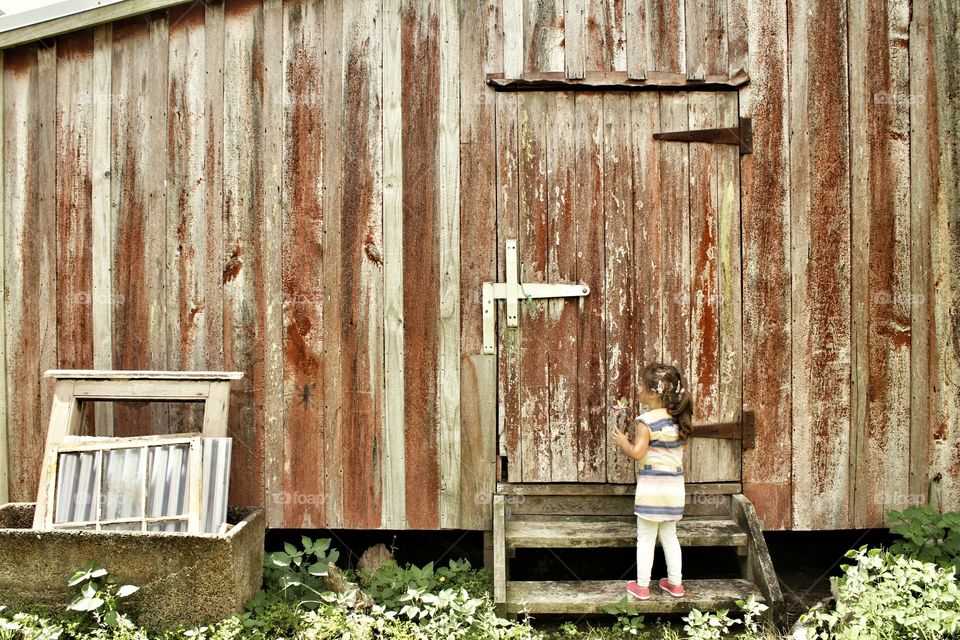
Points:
(636, 450)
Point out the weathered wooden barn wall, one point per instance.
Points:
(306, 191)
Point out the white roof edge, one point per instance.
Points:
(70, 15)
(21, 19)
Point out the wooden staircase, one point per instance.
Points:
(599, 516)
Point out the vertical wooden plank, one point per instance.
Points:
(702, 375)
(880, 288)
(361, 262)
(138, 134)
(561, 329)
(574, 38)
(737, 31)
(186, 225)
(213, 29)
(591, 345)
(667, 35)
(101, 226)
(513, 40)
(4, 402)
(421, 80)
(637, 39)
(243, 184)
(448, 172)
(47, 220)
(820, 230)
(394, 454)
(619, 304)
(675, 244)
(25, 435)
(508, 207)
(924, 151)
(605, 47)
(647, 233)
(271, 247)
(730, 301)
(332, 290)
(532, 255)
(74, 270)
(766, 270)
(304, 220)
(481, 52)
(706, 38)
(943, 117)
(543, 36)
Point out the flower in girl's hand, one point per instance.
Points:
(620, 406)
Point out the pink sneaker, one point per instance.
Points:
(676, 590)
(641, 593)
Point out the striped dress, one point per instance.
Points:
(660, 492)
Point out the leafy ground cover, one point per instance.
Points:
(907, 591)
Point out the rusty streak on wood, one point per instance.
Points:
(880, 290)
(361, 265)
(614, 81)
(22, 260)
(702, 296)
(421, 259)
(767, 268)
(73, 201)
(820, 230)
(306, 215)
(637, 45)
(667, 34)
(591, 351)
(213, 205)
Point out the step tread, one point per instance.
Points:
(590, 596)
(579, 531)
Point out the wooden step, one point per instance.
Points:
(544, 532)
(590, 596)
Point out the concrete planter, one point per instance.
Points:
(183, 578)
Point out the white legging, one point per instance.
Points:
(646, 542)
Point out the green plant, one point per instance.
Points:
(100, 596)
(713, 626)
(389, 582)
(927, 535)
(297, 573)
(889, 596)
(629, 623)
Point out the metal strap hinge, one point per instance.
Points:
(741, 135)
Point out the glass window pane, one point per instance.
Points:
(121, 489)
(76, 499)
(122, 526)
(167, 488)
(169, 526)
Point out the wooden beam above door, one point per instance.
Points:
(615, 81)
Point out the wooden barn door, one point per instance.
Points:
(653, 228)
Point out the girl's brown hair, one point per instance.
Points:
(665, 380)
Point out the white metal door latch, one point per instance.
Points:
(514, 290)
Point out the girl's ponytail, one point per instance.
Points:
(667, 382)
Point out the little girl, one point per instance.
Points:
(661, 437)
